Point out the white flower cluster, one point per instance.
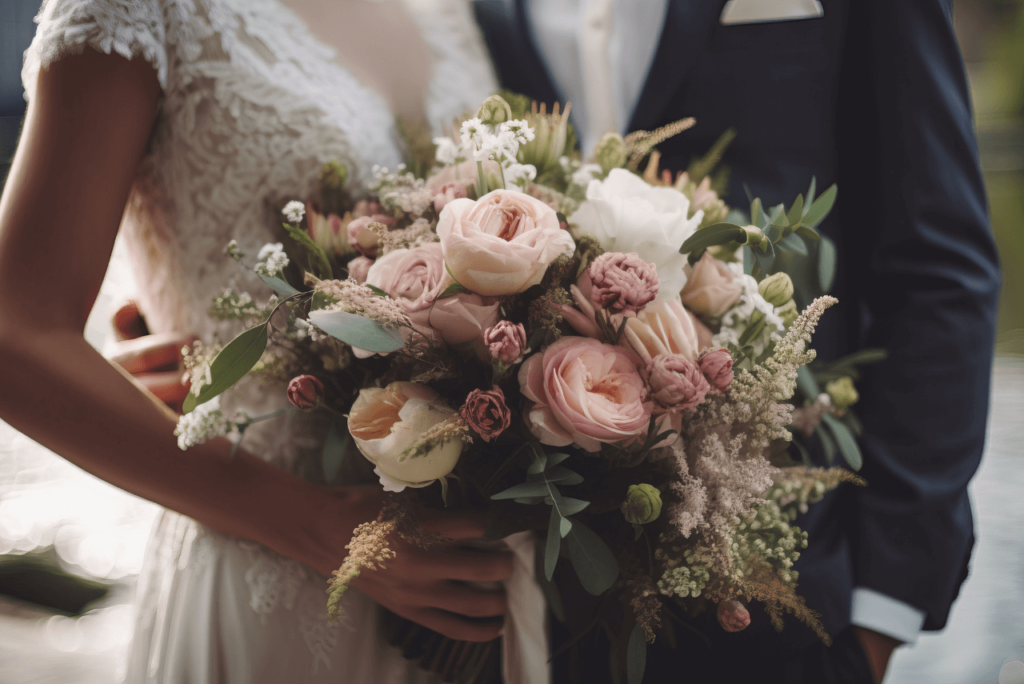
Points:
(586, 173)
(401, 190)
(271, 260)
(233, 251)
(736, 320)
(294, 211)
(206, 422)
(481, 142)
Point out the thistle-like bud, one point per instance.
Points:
(494, 111)
(305, 392)
(843, 393)
(777, 289)
(788, 313)
(610, 152)
(642, 504)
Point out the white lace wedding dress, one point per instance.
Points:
(253, 104)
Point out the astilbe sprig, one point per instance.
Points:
(448, 430)
(349, 295)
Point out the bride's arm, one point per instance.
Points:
(86, 129)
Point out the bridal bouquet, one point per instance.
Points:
(605, 357)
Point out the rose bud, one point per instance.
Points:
(777, 289)
(733, 616)
(359, 267)
(507, 341)
(622, 283)
(676, 382)
(305, 392)
(362, 237)
(642, 504)
(717, 368)
(485, 411)
(449, 192)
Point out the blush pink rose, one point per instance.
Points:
(501, 244)
(584, 392)
(463, 173)
(362, 237)
(448, 193)
(717, 368)
(677, 383)
(359, 267)
(663, 327)
(622, 283)
(711, 288)
(506, 341)
(485, 411)
(415, 278)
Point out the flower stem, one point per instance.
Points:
(481, 182)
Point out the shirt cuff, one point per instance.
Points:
(886, 615)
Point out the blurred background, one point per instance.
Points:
(71, 545)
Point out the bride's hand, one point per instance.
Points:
(429, 586)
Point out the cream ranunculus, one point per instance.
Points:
(501, 244)
(663, 327)
(626, 214)
(385, 422)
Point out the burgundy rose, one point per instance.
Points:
(676, 382)
(305, 392)
(717, 368)
(622, 282)
(485, 411)
(506, 340)
(733, 616)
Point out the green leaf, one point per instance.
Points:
(231, 365)
(821, 207)
(828, 444)
(279, 285)
(716, 234)
(806, 383)
(376, 290)
(811, 192)
(569, 506)
(334, 449)
(794, 244)
(524, 489)
(553, 544)
(636, 656)
(555, 459)
(859, 358)
(826, 264)
(807, 233)
(562, 475)
(357, 330)
(564, 527)
(777, 217)
(593, 561)
(321, 300)
(452, 290)
(752, 331)
(530, 500)
(845, 440)
(318, 261)
(796, 212)
(757, 215)
(540, 462)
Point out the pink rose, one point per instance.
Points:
(677, 383)
(622, 282)
(359, 267)
(362, 237)
(485, 411)
(463, 173)
(506, 341)
(717, 368)
(305, 392)
(733, 616)
(501, 244)
(711, 288)
(663, 327)
(415, 278)
(448, 193)
(584, 392)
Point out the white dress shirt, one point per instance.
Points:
(598, 53)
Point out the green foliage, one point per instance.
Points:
(358, 331)
(279, 285)
(845, 440)
(636, 656)
(231, 365)
(318, 263)
(593, 561)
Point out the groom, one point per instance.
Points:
(870, 94)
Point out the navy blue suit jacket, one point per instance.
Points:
(872, 96)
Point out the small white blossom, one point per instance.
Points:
(520, 130)
(271, 260)
(586, 173)
(448, 152)
(520, 174)
(472, 131)
(294, 211)
(206, 422)
(233, 251)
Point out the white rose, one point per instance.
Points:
(626, 214)
(385, 422)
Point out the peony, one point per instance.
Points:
(663, 327)
(385, 422)
(717, 368)
(502, 243)
(622, 282)
(506, 341)
(485, 411)
(626, 214)
(415, 278)
(677, 383)
(359, 268)
(711, 288)
(584, 392)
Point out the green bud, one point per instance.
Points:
(755, 237)
(642, 504)
(333, 175)
(788, 312)
(843, 393)
(610, 152)
(777, 289)
(494, 111)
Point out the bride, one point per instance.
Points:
(221, 107)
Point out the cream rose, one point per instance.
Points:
(711, 288)
(626, 214)
(385, 422)
(501, 244)
(663, 327)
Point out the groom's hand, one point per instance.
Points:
(878, 648)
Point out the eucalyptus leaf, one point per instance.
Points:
(811, 192)
(794, 244)
(555, 459)
(530, 500)
(828, 445)
(321, 300)
(636, 656)
(821, 207)
(279, 285)
(562, 475)
(757, 215)
(807, 233)
(593, 561)
(540, 462)
(334, 449)
(777, 215)
(569, 506)
(715, 234)
(806, 383)
(553, 545)
(765, 259)
(796, 212)
(845, 440)
(525, 489)
(357, 331)
(748, 259)
(231, 365)
(752, 332)
(564, 527)
(826, 264)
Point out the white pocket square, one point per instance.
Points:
(754, 11)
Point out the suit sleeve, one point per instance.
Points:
(926, 269)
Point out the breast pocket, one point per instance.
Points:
(770, 37)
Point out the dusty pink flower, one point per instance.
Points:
(717, 368)
(705, 338)
(584, 392)
(622, 283)
(362, 237)
(485, 411)
(584, 319)
(711, 288)
(359, 267)
(327, 231)
(663, 327)
(733, 616)
(506, 341)
(448, 192)
(305, 392)
(677, 383)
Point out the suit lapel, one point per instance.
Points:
(688, 26)
(519, 65)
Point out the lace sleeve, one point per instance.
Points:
(127, 27)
